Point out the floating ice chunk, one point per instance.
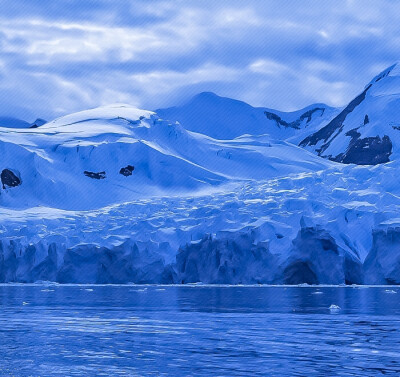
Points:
(317, 293)
(391, 291)
(334, 308)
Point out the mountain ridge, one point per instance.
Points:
(227, 118)
(366, 131)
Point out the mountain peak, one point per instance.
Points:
(392, 71)
(205, 95)
(366, 131)
(102, 113)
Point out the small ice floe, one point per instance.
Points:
(88, 289)
(138, 290)
(334, 308)
(317, 293)
(390, 291)
(25, 303)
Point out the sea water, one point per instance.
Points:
(73, 330)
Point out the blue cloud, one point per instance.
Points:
(64, 56)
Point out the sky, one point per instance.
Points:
(58, 57)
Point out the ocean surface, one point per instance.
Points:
(72, 330)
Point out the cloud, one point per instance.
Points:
(64, 57)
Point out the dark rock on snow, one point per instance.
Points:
(37, 123)
(127, 171)
(99, 175)
(295, 124)
(9, 178)
(367, 151)
(334, 125)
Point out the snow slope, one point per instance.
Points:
(226, 118)
(367, 130)
(77, 161)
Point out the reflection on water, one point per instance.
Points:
(54, 330)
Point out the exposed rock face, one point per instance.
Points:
(334, 125)
(37, 123)
(99, 175)
(9, 178)
(127, 171)
(317, 259)
(366, 151)
(295, 124)
(364, 132)
(382, 265)
(226, 261)
(361, 151)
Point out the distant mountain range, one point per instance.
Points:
(226, 118)
(10, 122)
(364, 132)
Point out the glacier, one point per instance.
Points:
(333, 226)
(121, 195)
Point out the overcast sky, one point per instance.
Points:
(62, 56)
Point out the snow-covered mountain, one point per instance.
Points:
(117, 153)
(226, 118)
(10, 122)
(37, 123)
(367, 130)
(121, 195)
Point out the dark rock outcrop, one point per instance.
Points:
(37, 123)
(10, 179)
(334, 125)
(361, 151)
(367, 151)
(127, 171)
(295, 124)
(99, 175)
